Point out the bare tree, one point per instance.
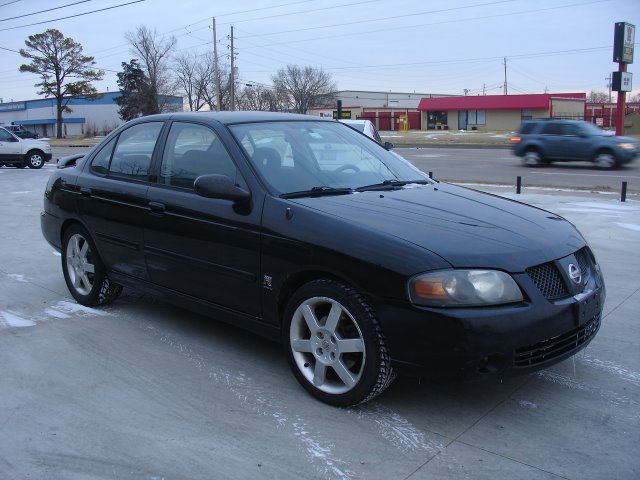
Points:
(634, 98)
(153, 53)
(194, 77)
(57, 60)
(305, 87)
(257, 97)
(598, 97)
(210, 91)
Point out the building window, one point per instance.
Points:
(476, 117)
(527, 115)
(437, 120)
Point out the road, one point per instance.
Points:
(499, 166)
(144, 390)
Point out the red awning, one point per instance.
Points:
(538, 101)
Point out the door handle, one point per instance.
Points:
(85, 191)
(157, 207)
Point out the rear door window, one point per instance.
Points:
(132, 155)
(552, 129)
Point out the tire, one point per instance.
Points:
(83, 270)
(335, 345)
(533, 158)
(35, 159)
(605, 160)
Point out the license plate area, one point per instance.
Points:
(587, 306)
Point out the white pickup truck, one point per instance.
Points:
(22, 152)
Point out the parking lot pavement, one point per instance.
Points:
(145, 390)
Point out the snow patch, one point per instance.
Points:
(629, 226)
(396, 429)
(56, 314)
(319, 451)
(17, 277)
(66, 307)
(607, 395)
(605, 206)
(611, 367)
(9, 319)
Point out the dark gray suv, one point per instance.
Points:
(540, 142)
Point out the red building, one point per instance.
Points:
(498, 112)
(604, 114)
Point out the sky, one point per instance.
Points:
(421, 46)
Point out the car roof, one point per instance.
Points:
(228, 117)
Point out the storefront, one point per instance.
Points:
(498, 112)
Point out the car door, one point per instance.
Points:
(112, 197)
(562, 141)
(9, 147)
(577, 145)
(202, 247)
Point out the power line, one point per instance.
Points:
(406, 27)
(414, 14)
(43, 11)
(72, 16)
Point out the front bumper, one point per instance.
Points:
(478, 343)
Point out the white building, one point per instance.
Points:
(88, 115)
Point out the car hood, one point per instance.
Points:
(33, 143)
(624, 139)
(464, 227)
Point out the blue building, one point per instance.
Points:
(88, 116)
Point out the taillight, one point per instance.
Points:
(515, 139)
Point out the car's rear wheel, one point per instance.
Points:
(605, 160)
(84, 271)
(533, 158)
(35, 159)
(335, 345)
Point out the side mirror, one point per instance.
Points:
(389, 145)
(220, 186)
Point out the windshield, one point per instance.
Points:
(320, 156)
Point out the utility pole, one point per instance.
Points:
(216, 66)
(232, 80)
(505, 76)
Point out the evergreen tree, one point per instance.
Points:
(138, 97)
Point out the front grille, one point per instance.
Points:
(582, 256)
(554, 347)
(548, 280)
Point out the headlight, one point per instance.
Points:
(627, 146)
(463, 288)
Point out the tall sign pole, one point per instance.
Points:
(624, 35)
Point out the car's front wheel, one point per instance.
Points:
(83, 270)
(35, 159)
(605, 160)
(335, 345)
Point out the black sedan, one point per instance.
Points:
(308, 232)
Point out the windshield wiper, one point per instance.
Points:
(317, 192)
(391, 184)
